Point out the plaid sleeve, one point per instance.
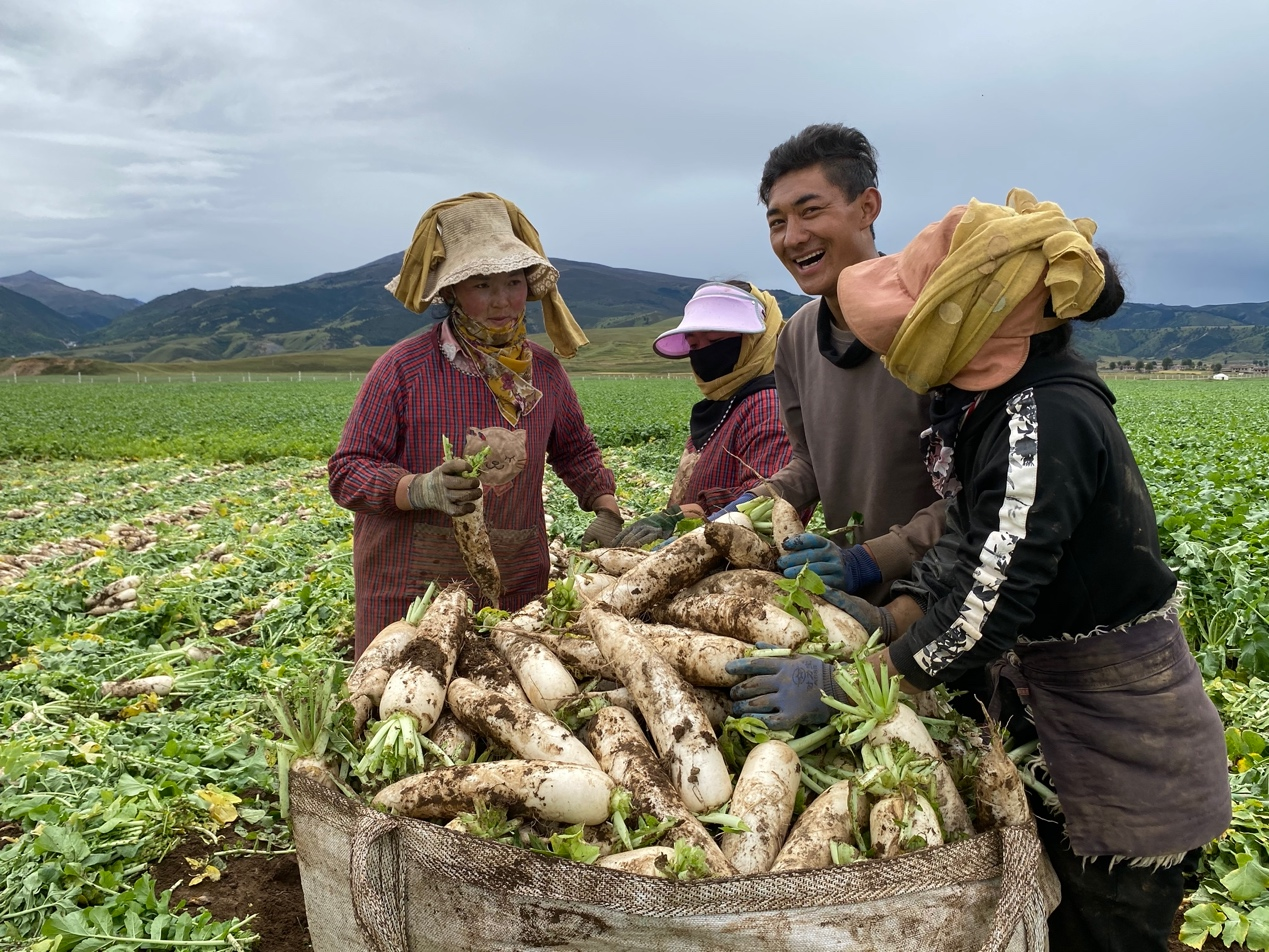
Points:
(572, 451)
(364, 472)
(757, 447)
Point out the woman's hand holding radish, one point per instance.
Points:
(849, 570)
(653, 528)
(785, 692)
(446, 489)
(602, 529)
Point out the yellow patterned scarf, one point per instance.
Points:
(502, 357)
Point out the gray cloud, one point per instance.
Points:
(148, 147)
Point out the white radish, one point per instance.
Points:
(716, 703)
(999, 795)
(477, 552)
(735, 616)
(685, 560)
(427, 663)
(553, 792)
(625, 755)
(735, 518)
(701, 658)
(480, 663)
(765, 793)
(590, 585)
(785, 523)
(545, 680)
(452, 737)
(741, 547)
(829, 819)
(903, 824)
(581, 654)
(516, 725)
(530, 618)
(885, 827)
(615, 562)
(679, 725)
(647, 861)
(159, 684)
(904, 725)
(375, 665)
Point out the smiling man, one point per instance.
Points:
(855, 430)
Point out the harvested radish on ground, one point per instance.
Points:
(679, 725)
(426, 663)
(625, 755)
(581, 654)
(903, 818)
(553, 792)
(531, 618)
(717, 705)
(697, 655)
(590, 585)
(740, 546)
(735, 616)
(876, 714)
(648, 861)
(159, 684)
(545, 680)
(1000, 799)
(763, 800)
(473, 537)
(117, 596)
(829, 819)
(516, 725)
(785, 523)
(479, 663)
(615, 562)
(370, 674)
(684, 561)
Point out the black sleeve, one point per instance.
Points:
(1033, 479)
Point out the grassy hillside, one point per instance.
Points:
(26, 325)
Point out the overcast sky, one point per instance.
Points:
(148, 146)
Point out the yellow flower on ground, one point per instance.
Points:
(219, 804)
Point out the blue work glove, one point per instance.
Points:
(733, 505)
(847, 569)
(783, 692)
(872, 617)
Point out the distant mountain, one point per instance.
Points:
(1155, 331)
(27, 326)
(352, 309)
(88, 309)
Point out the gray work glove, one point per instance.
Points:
(784, 693)
(872, 617)
(602, 530)
(653, 528)
(445, 489)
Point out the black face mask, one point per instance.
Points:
(716, 360)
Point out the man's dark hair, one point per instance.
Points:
(847, 157)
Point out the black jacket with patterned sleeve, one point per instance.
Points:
(1056, 534)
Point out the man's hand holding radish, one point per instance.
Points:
(785, 692)
(848, 570)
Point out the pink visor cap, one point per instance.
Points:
(714, 307)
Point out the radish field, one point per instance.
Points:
(213, 495)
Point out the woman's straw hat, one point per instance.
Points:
(479, 239)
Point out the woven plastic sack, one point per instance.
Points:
(377, 883)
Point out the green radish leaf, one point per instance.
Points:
(1257, 929)
(1248, 881)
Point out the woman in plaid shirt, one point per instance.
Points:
(728, 333)
(474, 370)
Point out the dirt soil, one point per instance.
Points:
(265, 886)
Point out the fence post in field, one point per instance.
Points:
(80, 375)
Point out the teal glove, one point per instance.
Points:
(659, 525)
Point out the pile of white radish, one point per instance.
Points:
(594, 725)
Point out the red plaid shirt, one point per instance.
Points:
(749, 446)
(411, 397)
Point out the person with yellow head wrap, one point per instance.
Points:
(728, 334)
(476, 379)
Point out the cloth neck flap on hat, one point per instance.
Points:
(998, 254)
(709, 415)
(757, 352)
(502, 358)
(427, 250)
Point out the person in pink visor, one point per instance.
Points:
(728, 334)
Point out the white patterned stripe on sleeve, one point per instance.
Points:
(993, 561)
